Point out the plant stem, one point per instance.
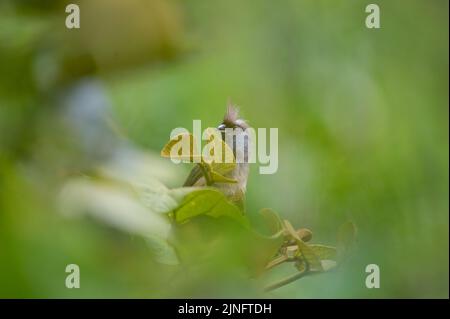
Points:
(205, 171)
(296, 276)
(276, 262)
(289, 279)
(285, 281)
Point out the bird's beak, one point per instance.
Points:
(221, 127)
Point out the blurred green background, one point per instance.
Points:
(363, 134)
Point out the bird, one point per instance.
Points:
(235, 192)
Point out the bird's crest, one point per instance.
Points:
(231, 115)
(231, 118)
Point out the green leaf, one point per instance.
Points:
(210, 202)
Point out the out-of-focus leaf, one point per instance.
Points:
(291, 251)
(264, 249)
(136, 166)
(178, 194)
(324, 252)
(305, 234)
(151, 192)
(300, 265)
(210, 202)
(143, 32)
(158, 200)
(162, 250)
(328, 265)
(112, 205)
(346, 235)
(117, 207)
(272, 220)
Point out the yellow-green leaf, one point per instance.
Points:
(210, 202)
(223, 168)
(182, 153)
(306, 252)
(347, 234)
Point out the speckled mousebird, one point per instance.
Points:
(234, 191)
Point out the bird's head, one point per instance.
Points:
(234, 129)
(232, 120)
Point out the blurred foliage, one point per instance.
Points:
(363, 135)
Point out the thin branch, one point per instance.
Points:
(289, 279)
(277, 261)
